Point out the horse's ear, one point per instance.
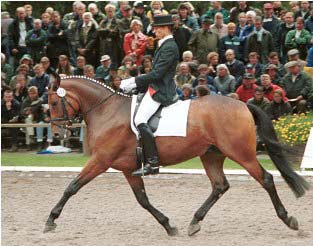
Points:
(56, 82)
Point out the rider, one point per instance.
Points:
(159, 88)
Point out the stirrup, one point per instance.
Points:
(146, 170)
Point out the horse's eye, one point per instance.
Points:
(54, 104)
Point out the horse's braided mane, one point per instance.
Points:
(96, 82)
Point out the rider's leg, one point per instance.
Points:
(146, 109)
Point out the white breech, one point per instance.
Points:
(146, 109)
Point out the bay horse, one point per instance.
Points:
(217, 121)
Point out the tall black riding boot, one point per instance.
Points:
(150, 152)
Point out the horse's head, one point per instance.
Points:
(64, 106)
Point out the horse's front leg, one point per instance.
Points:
(138, 188)
(91, 170)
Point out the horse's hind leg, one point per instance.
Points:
(138, 188)
(91, 170)
(213, 164)
(266, 180)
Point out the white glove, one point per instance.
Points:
(127, 85)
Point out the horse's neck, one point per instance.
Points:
(96, 110)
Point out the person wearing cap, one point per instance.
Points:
(293, 55)
(159, 88)
(203, 41)
(36, 41)
(246, 90)
(258, 99)
(298, 86)
(249, 68)
(254, 60)
(260, 41)
(272, 71)
(21, 69)
(282, 31)
(139, 11)
(135, 42)
(207, 81)
(273, 59)
(102, 71)
(203, 71)
(186, 19)
(124, 23)
(270, 21)
(17, 31)
(269, 87)
(299, 38)
(27, 60)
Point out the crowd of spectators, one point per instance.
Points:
(259, 56)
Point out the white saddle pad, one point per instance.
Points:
(173, 121)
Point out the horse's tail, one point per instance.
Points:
(267, 134)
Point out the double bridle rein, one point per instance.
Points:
(68, 121)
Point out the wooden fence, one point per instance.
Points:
(74, 125)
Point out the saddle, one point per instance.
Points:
(153, 122)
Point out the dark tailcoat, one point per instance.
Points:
(161, 78)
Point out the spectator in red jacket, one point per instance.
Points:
(246, 90)
(135, 42)
(269, 88)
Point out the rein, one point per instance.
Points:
(101, 102)
(67, 120)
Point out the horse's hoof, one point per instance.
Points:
(193, 229)
(49, 227)
(293, 223)
(173, 231)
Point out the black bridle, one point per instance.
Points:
(68, 121)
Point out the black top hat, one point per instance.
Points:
(162, 20)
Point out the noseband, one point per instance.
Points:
(69, 121)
